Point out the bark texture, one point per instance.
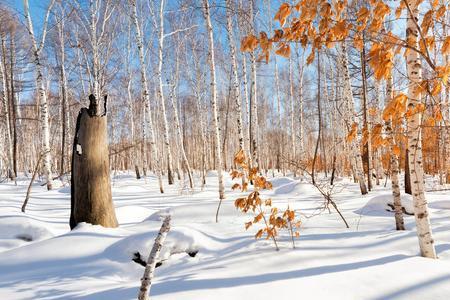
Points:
(399, 223)
(414, 70)
(146, 280)
(212, 68)
(91, 200)
(349, 113)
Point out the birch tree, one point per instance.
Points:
(414, 71)
(253, 96)
(145, 93)
(234, 69)
(399, 223)
(42, 90)
(161, 36)
(349, 115)
(9, 144)
(127, 61)
(60, 23)
(212, 69)
(173, 101)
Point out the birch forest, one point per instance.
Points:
(273, 145)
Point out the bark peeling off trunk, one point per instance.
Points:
(91, 188)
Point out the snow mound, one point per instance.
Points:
(382, 205)
(294, 188)
(132, 214)
(206, 211)
(280, 181)
(180, 239)
(17, 231)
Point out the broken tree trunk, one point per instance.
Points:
(146, 280)
(91, 199)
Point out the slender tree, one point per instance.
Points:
(414, 70)
(212, 70)
(42, 89)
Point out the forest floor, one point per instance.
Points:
(41, 259)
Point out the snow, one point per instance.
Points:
(383, 205)
(40, 258)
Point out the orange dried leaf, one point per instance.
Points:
(446, 46)
(236, 186)
(247, 225)
(283, 13)
(283, 50)
(259, 234)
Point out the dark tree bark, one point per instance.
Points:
(319, 109)
(407, 174)
(91, 199)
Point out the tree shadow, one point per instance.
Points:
(181, 283)
(414, 288)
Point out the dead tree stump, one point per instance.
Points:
(91, 200)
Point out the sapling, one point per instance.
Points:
(263, 209)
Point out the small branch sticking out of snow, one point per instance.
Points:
(146, 280)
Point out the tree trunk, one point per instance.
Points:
(319, 112)
(350, 117)
(177, 124)
(407, 173)
(291, 114)
(254, 100)
(399, 223)
(91, 200)
(367, 146)
(44, 113)
(377, 163)
(212, 68)
(146, 280)
(235, 75)
(161, 94)
(9, 144)
(146, 96)
(301, 138)
(64, 95)
(242, 28)
(414, 70)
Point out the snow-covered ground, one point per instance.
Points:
(41, 259)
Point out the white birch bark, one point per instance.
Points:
(144, 143)
(446, 114)
(399, 223)
(236, 87)
(291, 100)
(200, 110)
(253, 100)
(79, 63)
(301, 138)
(9, 144)
(44, 114)
(241, 27)
(146, 280)
(216, 122)
(377, 163)
(145, 95)
(127, 61)
(414, 71)
(355, 153)
(161, 36)
(93, 9)
(64, 89)
(177, 124)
